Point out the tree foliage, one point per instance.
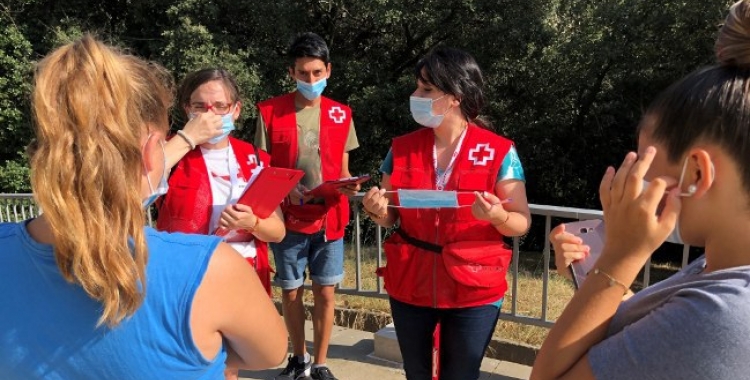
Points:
(567, 80)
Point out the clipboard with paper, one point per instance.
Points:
(328, 188)
(267, 191)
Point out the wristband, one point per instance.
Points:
(254, 226)
(187, 139)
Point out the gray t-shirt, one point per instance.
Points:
(693, 325)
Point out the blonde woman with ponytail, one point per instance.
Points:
(95, 294)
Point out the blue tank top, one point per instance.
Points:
(48, 326)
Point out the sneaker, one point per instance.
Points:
(322, 373)
(295, 370)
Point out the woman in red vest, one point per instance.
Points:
(205, 184)
(446, 264)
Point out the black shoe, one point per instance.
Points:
(295, 370)
(322, 373)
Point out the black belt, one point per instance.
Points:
(427, 246)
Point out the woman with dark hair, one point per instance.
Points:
(693, 145)
(95, 294)
(446, 263)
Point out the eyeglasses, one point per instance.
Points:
(219, 108)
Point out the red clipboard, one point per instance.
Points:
(329, 187)
(267, 191)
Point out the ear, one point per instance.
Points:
(237, 110)
(149, 151)
(328, 70)
(700, 172)
(455, 102)
(291, 73)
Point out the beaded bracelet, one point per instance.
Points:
(612, 281)
(187, 139)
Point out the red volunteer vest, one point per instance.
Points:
(187, 205)
(417, 276)
(279, 116)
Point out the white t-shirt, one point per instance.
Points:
(227, 184)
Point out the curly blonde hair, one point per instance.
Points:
(92, 106)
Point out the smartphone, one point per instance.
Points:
(592, 234)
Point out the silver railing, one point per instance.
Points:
(17, 207)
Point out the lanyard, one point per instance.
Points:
(440, 180)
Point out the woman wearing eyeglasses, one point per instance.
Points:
(209, 178)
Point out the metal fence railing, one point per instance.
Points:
(17, 207)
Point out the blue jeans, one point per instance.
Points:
(464, 336)
(299, 251)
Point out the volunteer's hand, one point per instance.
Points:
(568, 248)
(350, 190)
(375, 202)
(634, 230)
(488, 206)
(239, 216)
(203, 127)
(297, 195)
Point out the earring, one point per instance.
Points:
(692, 189)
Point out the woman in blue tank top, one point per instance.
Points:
(95, 294)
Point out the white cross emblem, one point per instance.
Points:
(481, 154)
(337, 114)
(251, 159)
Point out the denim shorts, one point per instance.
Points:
(298, 251)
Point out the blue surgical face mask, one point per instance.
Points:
(311, 91)
(421, 111)
(427, 198)
(163, 184)
(227, 126)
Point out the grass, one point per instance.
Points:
(530, 293)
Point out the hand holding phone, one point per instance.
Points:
(591, 233)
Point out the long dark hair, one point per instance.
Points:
(712, 104)
(455, 72)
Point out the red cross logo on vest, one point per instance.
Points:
(337, 114)
(481, 154)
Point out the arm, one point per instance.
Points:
(231, 303)
(633, 232)
(198, 130)
(510, 219)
